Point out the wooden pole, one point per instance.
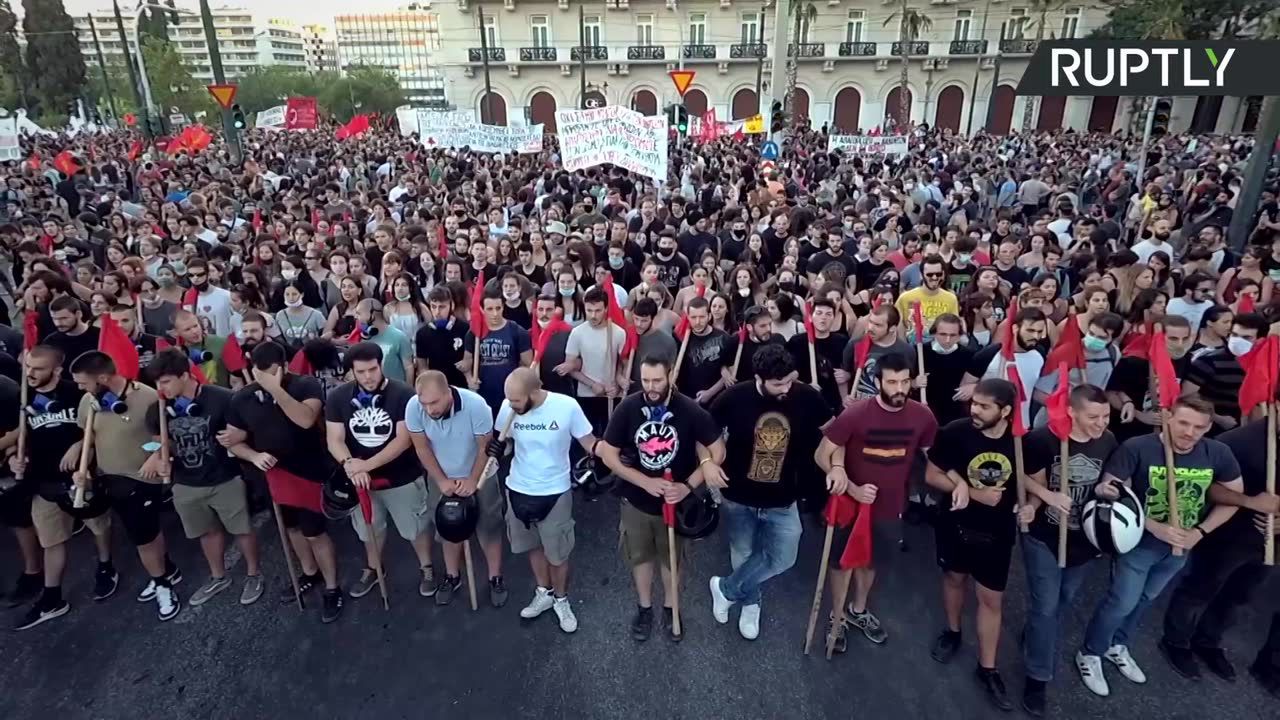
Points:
(471, 573)
(377, 552)
(1171, 479)
(1269, 550)
(676, 628)
(164, 436)
(737, 359)
(613, 361)
(684, 347)
(1019, 468)
(816, 607)
(86, 448)
(25, 392)
(288, 554)
(813, 361)
(475, 359)
(1064, 484)
(491, 465)
(924, 398)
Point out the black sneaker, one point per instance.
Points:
(447, 588)
(42, 611)
(1266, 677)
(668, 618)
(306, 583)
(332, 605)
(946, 646)
(996, 692)
(1033, 697)
(105, 582)
(1182, 660)
(27, 588)
(497, 591)
(1216, 660)
(642, 624)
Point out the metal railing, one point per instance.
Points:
(542, 53)
(496, 54)
(857, 49)
(918, 48)
(968, 47)
(807, 50)
(646, 52)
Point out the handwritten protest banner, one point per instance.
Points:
(614, 135)
(486, 138)
(271, 119)
(868, 144)
(10, 147)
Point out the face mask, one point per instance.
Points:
(1094, 344)
(166, 282)
(403, 296)
(1238, 346)
(787, 286)
(739, 234)
(884, 204)
(178, 266)
(615, 263)
(293, 303)
(441, 324)
(511, 294)
(965, 258)
(937, 348)
(566, 292)
(666, 253)
(288, 274)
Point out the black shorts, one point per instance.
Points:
(138, 504)
(15, 506)
(310, 524)
(982, 554)
(885, 535)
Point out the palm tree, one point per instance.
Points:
(802, 17)
(1041, 8)
(911, 25)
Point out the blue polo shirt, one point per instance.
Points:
(453, 437)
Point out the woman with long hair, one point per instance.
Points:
(666, 319)
(977, 312)
(744, 289)
(782, 310)
(1055, 307)
(341, 320)
(1250, 268)
(297, 321)
(722, 317)
(392, 267)
(582, 260)
(699, 285)
(570, 293)
(407, 310)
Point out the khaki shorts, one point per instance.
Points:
(491, 503)
(643, 537)
(554, 534)
(53, 526)
(404, 504)
(206, 509)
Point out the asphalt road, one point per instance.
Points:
(116, 660)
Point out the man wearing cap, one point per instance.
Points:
(450, 428)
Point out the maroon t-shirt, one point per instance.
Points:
(880, 446)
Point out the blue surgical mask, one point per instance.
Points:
(441, 324)
(615, 262)
(1094, 344)
(939, 349)
(566, 292)
(966, 257)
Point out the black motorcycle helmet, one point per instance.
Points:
(456, 518)
(338, 496)
(697, 515)
(589, 474)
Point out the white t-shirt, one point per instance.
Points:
(1193, 312)
(213, 307)
(1145, 249)
(543, 437)
(592, 345)
(1030, 364)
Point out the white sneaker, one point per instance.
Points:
(749, 622)
(719, 603)
(167, 602)
(1090, 667)
(542, 601)
(564, 611)
(1119, 655)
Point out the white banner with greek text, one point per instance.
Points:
(614, 135)
(10, 147)
(868, 144)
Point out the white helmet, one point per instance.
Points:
(1114, 526)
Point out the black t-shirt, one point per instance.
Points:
(1131, 377)
(297, 450)
(73, 346)
(519, 314)
(702, 361)
(1249, 446)
(443, 348)
(371, 423)
(984, 462)
(945, 372)
(655, 438)
(553, 355)
(1015, 276)
(746, 366)
(672, 271)
(11, 340)
(1084, 469)
(692, 243)
(537, 276)
(820, 260)
(868, 273)
(959, 277)
(10, 399)
(197, 458)
(52, 429)
(829, 354)
(770, 443)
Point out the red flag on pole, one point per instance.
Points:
(857, 552)
(668, 509)
(807, 310)
(839, 511)
(1162, 366)
(294, 491)
(256, 224)
(1261, 367)
(1059, 405)
(30, 329)
(66, 163)
(443, 243)
(1246, 305)
(682, 327)
(1138, 345)
(190, 299)
(1007, 352)
(1069, 349)
(479, 327)
(113, 341)
(618, 317)
(233, 355)
(300, 365)
(862, 350)
(542, 335)
(135, 149)
(917, 320)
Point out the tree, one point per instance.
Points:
(363, 89)
(52, 47)
(265, 87)
(802, 17)
(13, 71)
(911, 25)
(1184, 19)
(118, 81)
(171, 82)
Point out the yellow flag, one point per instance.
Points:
(753, 125)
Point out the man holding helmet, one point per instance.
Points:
(652, 433)
(450, 428)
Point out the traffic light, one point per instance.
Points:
(237, 117)
(778, 118)
(1160, 122)
(678, 116)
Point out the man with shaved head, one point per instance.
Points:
(543, 426)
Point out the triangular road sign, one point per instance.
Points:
(224, 94)
(682, 80)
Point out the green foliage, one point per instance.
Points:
(362, 90)
(53, 48)
(1186, 19)
(117, 80)
(171, 82)
(14, 78)
(268, 86)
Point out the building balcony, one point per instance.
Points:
(699, 52)
(1018, 47)
(538, 54)
(918, 48)
(589, 53)
(740, 51)
(807, 50)
(968, 47)
(646, 52)
(496, 54)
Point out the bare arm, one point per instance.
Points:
(335, 436)
(427, 456)
(1223, 509)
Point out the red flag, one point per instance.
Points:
(256, 224)
(300, 365)
(366, 502)
(357, 125)
(809, 332)
(1059, 405)
(30, 329)
(66, 163)
(135, 149)
(877, 301)
(443, 243)
(742, 335)
(479, 327)
(682, 327)
(356, 335)
(619, 318)
(316, 216)
(1162, 366)
(1261, 367)
(113, 341)
(542, 336)
(34, 161)
(1011, 371)
(840, 510)
(917, 320)
(190, 299)
(233, 355)
(1245, 305)
(857, 552)
(1007, 345)
(289, 489)
(1069, 349)
(1138, 345)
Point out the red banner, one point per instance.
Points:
(300, 113)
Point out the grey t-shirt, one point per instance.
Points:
(1140, 461)
(296, 329)
(869, 384)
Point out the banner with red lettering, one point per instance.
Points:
(300, 113)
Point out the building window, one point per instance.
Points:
(644, 30)
(592, 25)
(1015, 27)
(697, 28)
(750, 27)
(1070, 24)
(541, 31)
(491, 30)
(963, 20)
(854, 28)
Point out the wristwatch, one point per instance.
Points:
(1203, 534)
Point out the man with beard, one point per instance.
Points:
(772, 427)
(699, 376)
(652, 342)
(872, 446)
(74, 336)
(212, 304)
(127, 318)
(539, 493)
(759, 333)
(652, 433)
(972, 460)
(883, 327)
(205, 350)
(1052, 590)
(1132, 386)
(934, 301)
(1031, 327)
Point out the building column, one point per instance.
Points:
(1230, 116)
(1076, 114)
(1184, 111)
(820, 113)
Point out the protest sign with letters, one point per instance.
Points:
(10, 147)
(271, 119)
(868, 144)
(614, 135)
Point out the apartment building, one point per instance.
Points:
(403, 42)
(320, 49)
(280, 42)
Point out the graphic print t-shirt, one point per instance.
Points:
(985, 463)
(542, 438)
(53, 429)
(500, 352)
(1140, 460)
(702, 362)
(197, 458)
(655, 438)
(370, 423)
(1085, 461)
(880, 447)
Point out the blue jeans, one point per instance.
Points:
(1051, 589)
(762, 543)
(1137, 579)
